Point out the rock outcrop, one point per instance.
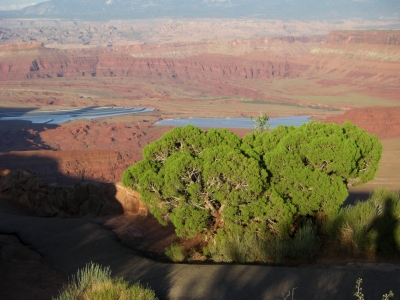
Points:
(69, 167)
(34, 195)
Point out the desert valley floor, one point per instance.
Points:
(344, 76)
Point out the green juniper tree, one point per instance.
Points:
(215, 184)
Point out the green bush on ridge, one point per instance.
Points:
(255, 190)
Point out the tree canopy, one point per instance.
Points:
(217, 183)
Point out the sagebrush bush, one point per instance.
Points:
(94, 282)
(175, 253)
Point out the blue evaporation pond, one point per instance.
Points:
(62, 116)
(234, 122)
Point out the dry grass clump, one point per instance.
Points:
(175, 253)
(250, 247)
(370, 226)
(95, 283)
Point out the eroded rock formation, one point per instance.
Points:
(34, 195)
(69, 167)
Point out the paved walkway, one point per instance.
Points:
(68, 244)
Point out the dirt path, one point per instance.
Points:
(68, 244)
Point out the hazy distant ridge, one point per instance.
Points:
(275, 9)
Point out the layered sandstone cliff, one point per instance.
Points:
(370, 37)
(364, 56)
(171, 60)
(33, 60)
(344, 53)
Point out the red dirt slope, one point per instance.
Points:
(382, 121)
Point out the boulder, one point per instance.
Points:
(129, 200)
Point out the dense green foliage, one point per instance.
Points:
(95, 282)
(224, 187)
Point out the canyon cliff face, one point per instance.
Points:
(184, 61)
(380, 37)
(347, 53)
(286, 46)
(200, 67)
(33, 60)
(365, 56)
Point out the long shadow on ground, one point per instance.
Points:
(68, 244)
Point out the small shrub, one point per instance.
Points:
(246, 247)
(267, 248)
(94, 282)
(260, 123)
(175, 253)
(119, 289)
(305, 243)
(194, 255)
(368, 226)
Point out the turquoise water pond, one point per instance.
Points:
(234, 122)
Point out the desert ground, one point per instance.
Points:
(336, 77)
